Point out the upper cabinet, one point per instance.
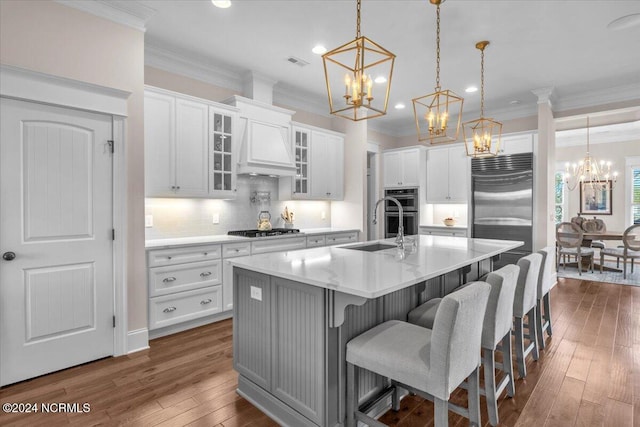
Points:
(404, 167)
(447, 175)
(319, 160)
(189, 149)
(514, 144)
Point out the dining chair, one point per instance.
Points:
(630, 250)
(569, 243)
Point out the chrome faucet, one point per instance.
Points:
(400, 235)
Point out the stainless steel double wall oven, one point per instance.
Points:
(408, 198)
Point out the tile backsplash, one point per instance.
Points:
(177, 217)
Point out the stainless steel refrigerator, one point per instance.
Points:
(502, 202)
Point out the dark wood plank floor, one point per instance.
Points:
(589, 375)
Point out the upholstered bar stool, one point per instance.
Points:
(524, 304)
(543, 318)
(428, 362)
(496, 329)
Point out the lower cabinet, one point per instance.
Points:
(184, 284)
(341, 238)
(231, 250)
(442, 231)
(286, 312)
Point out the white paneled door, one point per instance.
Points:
(56, 265)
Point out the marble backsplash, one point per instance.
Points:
(177, 217)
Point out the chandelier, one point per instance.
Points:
(484, 133)
(589, 171)
(350, 72)
(433, 112)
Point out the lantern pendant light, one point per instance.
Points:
(482, 136)
(434, 112)
(358, 77)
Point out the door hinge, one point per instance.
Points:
(114, 321)
(113, 234)
(111, 145)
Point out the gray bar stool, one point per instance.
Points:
(496, 329)
(429, 363)
(524, 304)
(544, 287)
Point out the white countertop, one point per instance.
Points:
(224, 238)
(373, 274)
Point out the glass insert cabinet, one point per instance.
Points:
(302, 162)
(221, 152)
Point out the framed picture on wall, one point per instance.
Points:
(595, 198)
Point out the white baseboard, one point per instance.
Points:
(137, 340)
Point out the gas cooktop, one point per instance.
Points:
(262, 233)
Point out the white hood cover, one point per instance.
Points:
(265, 134)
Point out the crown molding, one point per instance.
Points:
(284, 94)
(621, 132)
(130, 13)
(193, 67)
(599, 97)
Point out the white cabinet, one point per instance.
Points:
(443, 231)
(404, 167)
(184, 284)
(319, 159)
(447, 175)
(188, 146)
(341, 238)
(514, 144)
(278, 244)
(327, 166)
(231, 250)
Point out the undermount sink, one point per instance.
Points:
(372, 247)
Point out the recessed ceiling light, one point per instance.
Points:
(399, 106)
(625, 22)
(471, 89)
(380, 79)
(222, 4)
(319, 49)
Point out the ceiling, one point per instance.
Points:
(535, 44)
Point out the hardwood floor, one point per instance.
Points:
(588, 375)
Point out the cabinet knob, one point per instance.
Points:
(169, 309)
(168, 279)
(168, 257)
(205, 274)
(237, 250)
(206, 301)
(206, 253)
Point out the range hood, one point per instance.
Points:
(264, 131)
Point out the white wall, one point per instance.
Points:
(50, 38)
(614, 152)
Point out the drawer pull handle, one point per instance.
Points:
(169, 279)
(206, 301)
(237, 250)
(205, 274)
(169, 309)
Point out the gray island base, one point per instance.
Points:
(295, 311)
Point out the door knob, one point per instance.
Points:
(8, 256)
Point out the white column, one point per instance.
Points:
(544, 172)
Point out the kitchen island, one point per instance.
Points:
(294, 312)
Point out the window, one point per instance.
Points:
(635, 195)
(632, 188)
(560, 198)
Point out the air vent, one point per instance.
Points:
(299, 62)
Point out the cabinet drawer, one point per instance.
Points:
(230, 250)
(339, 238)
(439, 231)
(183, 277)
(171, 309)
(159, 257)
(281, 244)
(315, 241)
